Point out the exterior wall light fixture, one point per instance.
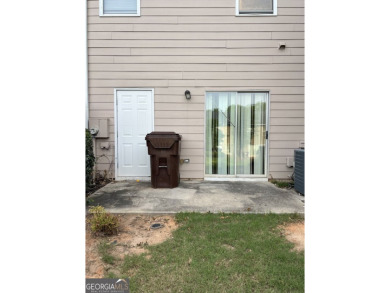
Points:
(187, 94)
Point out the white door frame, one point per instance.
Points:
(116, 129)
(216, 177)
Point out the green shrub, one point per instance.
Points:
(103, 222)
(89, 158)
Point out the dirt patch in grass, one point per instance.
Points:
(207, 253)
(295, 233)
(133, 238)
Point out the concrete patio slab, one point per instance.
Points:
(198, 196)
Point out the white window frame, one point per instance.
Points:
(275, 9)
(101, 13)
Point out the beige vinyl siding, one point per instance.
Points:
(199, 45)
(193, 27)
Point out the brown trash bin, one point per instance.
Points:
(164, 151)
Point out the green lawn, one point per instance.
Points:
(220, 253)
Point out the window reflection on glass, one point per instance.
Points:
(220, 133)
(235, 133)
(251, 133)
(119, 6)
(256, 6)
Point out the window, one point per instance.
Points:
(256, 7)
(236, 133)
(119, 8)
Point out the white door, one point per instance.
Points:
(134, 121)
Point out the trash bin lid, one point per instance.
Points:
(162, 139)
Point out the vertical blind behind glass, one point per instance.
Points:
(235, 133)
(220, 133)
(251, 130)
(119, 6)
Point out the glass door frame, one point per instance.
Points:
(266, 161)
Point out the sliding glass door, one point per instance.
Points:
(221, 133)
(236, 126)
